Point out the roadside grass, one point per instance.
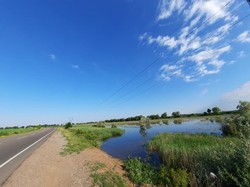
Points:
(103, 177)
(9, 132)
(82, 137)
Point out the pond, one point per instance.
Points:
(132, 142)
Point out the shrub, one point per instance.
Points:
(143, 173)
(68, 125)
(139, 171)
(113, 126)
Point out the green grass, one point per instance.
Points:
(8, 132)
(198, 154)
(103, 177)
(188, 160)
(179, 150)
(142, 173)
(81, 137)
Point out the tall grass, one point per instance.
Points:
(208, 158)
(87, 136)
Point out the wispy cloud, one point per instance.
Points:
(75, 66)
(52, 56)
(167, 8)
(204, 91)
(241, 93)
(199, 52)
(241, 54)
(244, 37)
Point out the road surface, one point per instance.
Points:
(15, 149)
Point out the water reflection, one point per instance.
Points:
(165, 121)
(132, 142)
(177, 121)
(143, 131)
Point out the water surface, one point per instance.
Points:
(132, 142)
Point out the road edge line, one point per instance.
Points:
(6, 162)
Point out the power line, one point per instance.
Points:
(206, 21)
(234, 24)
(144, 91)
(140, 73)
(131, 80)
(151, 64)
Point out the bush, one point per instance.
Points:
(113, 126)
(140, 172)
(68, 125)
(99, 125)
(237, 125)
(143, 173)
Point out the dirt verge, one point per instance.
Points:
(46, 166)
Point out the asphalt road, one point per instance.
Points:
(15, 149)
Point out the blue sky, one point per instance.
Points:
(68, 60)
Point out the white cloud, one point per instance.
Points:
(241, 93)
(168, 7)
(75, 66)
(212, 10)
(167, 67)
(165, 77)
(241, 54)
(209, 57)
(168, 71)
(189, 78)
(163, 41)
(52, 56)
(143, 36)
(198, 43)
(244, 37)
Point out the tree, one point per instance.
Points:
(216, 110)
(154, 116)
(244, 108)
(68, 125)
(238, 125)
(176, 114)
(164, 115)
(209, 111)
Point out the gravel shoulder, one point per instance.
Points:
(47, 167)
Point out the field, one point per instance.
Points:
(8, 132)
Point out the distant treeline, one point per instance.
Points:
(176, 114)
(32, 126)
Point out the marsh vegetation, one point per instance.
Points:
(199, 159)
(81, 137)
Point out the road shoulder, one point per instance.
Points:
(46, 166)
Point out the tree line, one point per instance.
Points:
(176, 114)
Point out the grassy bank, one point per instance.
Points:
(191, 160)
(9, 132)
(82, 137)
(181, 150)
